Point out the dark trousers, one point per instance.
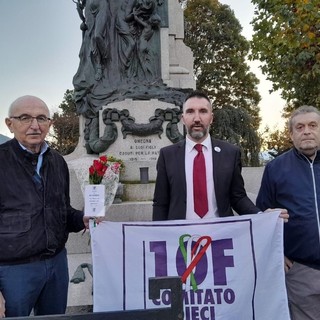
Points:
(41, 286)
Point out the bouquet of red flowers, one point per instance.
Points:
(103, 174)
(101, 187)
(99, 167)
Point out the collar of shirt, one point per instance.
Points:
(44, 148)
(206, 143)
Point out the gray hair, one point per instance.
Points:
(301, 110)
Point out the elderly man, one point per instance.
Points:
(35, 213)
(292, 181)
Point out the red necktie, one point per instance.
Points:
(200, 183)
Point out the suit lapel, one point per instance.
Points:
(180, 160)
(216, 159)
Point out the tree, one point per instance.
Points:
(287, 40)
(65, 134)
(277, 141)
(213, 34)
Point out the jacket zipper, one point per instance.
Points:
(315, 197)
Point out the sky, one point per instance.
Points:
(40, 43)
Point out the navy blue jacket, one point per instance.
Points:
(292, 181)
(34, 223)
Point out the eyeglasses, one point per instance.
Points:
(27, 119)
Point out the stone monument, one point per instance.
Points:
(133, 75)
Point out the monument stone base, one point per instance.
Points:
(138, 149)
(139, 154)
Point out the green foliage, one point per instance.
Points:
(214, 35)
(287, 40)
(65, 134)
(234, 125)
(277, 140)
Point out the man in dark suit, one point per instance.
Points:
(174, 193)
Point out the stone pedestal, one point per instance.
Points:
(136, 198)
(138, 151)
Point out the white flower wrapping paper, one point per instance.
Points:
(110, 179)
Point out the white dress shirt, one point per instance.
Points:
(190, 154)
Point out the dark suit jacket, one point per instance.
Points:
(169, 201)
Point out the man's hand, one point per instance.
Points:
(2, 306)
(283, 213)
(86, 221)
(287, 264)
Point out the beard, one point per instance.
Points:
(197, 135)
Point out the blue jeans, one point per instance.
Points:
(41, 286)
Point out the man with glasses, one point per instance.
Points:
(35, 215)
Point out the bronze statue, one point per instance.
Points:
(119, 57)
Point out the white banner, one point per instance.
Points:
(232, 267)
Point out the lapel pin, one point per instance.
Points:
(217, 149)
